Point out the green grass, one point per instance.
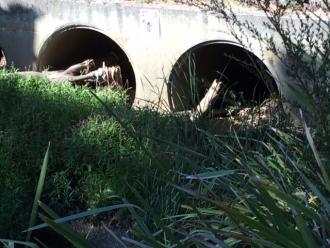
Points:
(32, 113)
(254, 187)
(93, 155)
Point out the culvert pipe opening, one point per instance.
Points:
(76, 44)
(245, 80)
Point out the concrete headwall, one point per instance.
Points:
(153, 37)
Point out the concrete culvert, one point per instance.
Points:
(245, 79)
(76, 44)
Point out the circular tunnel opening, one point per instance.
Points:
(245, 79)
(76, 44)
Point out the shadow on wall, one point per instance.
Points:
(17, 34)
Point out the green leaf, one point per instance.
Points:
(315, 190)
(10, 241)
(293, 203)
(279, 217)
(134, 214)
(306, 233)
(67, 233)
(84, 214)
(316, 155)
(48, 211)
(211, 174)
(42, 244)
(240, 219)
(37, 196)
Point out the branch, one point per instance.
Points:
(206, 103)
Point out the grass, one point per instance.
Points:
(255, 187)
(92, 154)
(32, 113)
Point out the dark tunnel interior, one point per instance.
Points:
(245, 79)
(75, 45)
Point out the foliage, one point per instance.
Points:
(259, 186)
(92, 154)
(279, 193)
(299, 40)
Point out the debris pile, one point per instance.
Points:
(264, 113)
(84, 73)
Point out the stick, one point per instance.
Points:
(207, 101)
(76, 69)
(3, 61)
(105, 75)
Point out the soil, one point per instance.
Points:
(102, 233)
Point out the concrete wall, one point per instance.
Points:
(152, 36)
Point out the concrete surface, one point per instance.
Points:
(149, 39)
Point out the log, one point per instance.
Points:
(204, 105)
(3, 61)
(77, 68)
(208, 100)
(101, 76)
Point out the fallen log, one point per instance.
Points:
(78, 68)
(208, 100)
(102, 76)
(205, 104)
(3, 61)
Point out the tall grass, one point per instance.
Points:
(93, 156)
(264, 186)
(32, 113)
(264, 192)
(256, 187)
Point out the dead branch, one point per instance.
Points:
(78, 68)
(101, 76)
(206, 103)
(3, 61)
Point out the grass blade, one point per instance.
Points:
(136, 243)
(306, 233)
(7, 242)
(37, 196)
(293, 203)
(240, 219)
(84, 214)
(211, 174)
(67, 233)
(114, 236)
(48, 211)
(316, 155)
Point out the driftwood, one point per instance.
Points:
(81, 74)
(205, 104)
(3, 61)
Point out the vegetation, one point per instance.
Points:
(93, 156)
(91, 153)
(178, 184)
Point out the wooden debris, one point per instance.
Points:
(81, 74)
(77, 69)
(208, 100)
(205, 104)
(3, 61)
